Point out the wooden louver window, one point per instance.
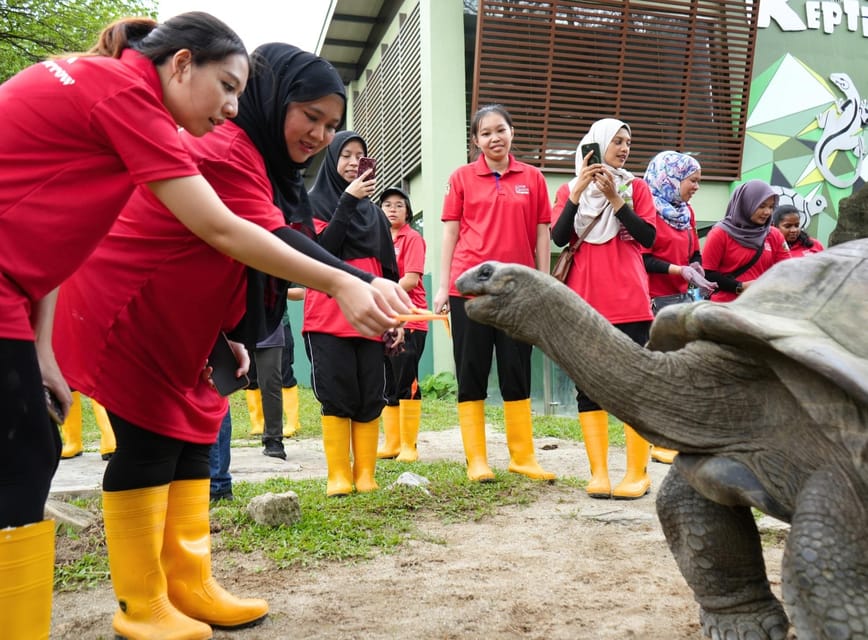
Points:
(677, 71)
(388, 111)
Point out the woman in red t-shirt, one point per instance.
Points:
(495, 208)
(674, 261)
(403, 411)
(788, 220)
(615, 213)
(347, 368)
(744, 245)
(160, 285)
(100, 124)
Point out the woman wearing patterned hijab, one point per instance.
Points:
(744, 245)
(609, 274)
(674, 262)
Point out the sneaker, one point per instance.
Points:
(274, 449)
(226, 494)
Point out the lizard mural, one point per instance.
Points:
(842, 125)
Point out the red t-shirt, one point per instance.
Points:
(497, 215)
(78, 135)
(723, 254)
(797, 249)
(136, 322)
(674, 247)
(410, 255)
(322, 314)
(611, 277)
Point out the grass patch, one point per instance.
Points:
(358, 527)
(347, 529)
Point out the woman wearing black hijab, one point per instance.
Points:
(347, 369)
(140, 348)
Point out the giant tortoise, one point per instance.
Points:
(766, 398)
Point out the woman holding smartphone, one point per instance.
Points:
(347, 368)
(495, 208)
(615, 214)
(141, 347)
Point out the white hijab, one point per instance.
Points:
(592, 202)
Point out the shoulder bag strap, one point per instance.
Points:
(752, 262)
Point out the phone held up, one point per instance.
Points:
(594, 149)
(223, 366)
(366, 163)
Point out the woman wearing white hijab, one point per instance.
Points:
(608, 272)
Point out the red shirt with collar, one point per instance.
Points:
(79, 134)
(410, 255)
(497, 215)
(135, 324)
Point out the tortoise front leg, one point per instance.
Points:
(825, 568)
(718, 551)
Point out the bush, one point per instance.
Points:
(440, 385)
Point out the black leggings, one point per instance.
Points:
(638, 332)
(29, 440)
(147, 459)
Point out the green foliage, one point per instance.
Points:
(31, 30)
(440, 385)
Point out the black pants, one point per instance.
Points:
(472, 347)
(29, 441)
(402, 370)
(347, 375)
(147, 459)
(638, 332)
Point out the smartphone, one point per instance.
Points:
(223, 366)
(366, 163)
(594, 149)
(55, 409)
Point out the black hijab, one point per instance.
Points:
(367, 233)
(282, 73)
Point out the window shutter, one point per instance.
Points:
(677, 71)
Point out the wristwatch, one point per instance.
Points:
(739, 288)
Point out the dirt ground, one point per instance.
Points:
(565, 567)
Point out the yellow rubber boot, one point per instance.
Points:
(636, 482)
(471, 419)
(70, 430)
(134, 525)
(365, 436)
(392, 430)
(290, 411)
(595, 432)
(186, 559)
(254, 407)
(107, 443)
(659, 454)
(27, 580)
(410, 416)
(336, 442)
(519, 440)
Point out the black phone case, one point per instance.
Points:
(223, 364)
(595, 158)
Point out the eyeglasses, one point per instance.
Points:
(394, 205)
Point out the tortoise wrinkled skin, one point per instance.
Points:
(765, 398)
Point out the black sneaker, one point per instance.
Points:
(226, 494)
(274, 449)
